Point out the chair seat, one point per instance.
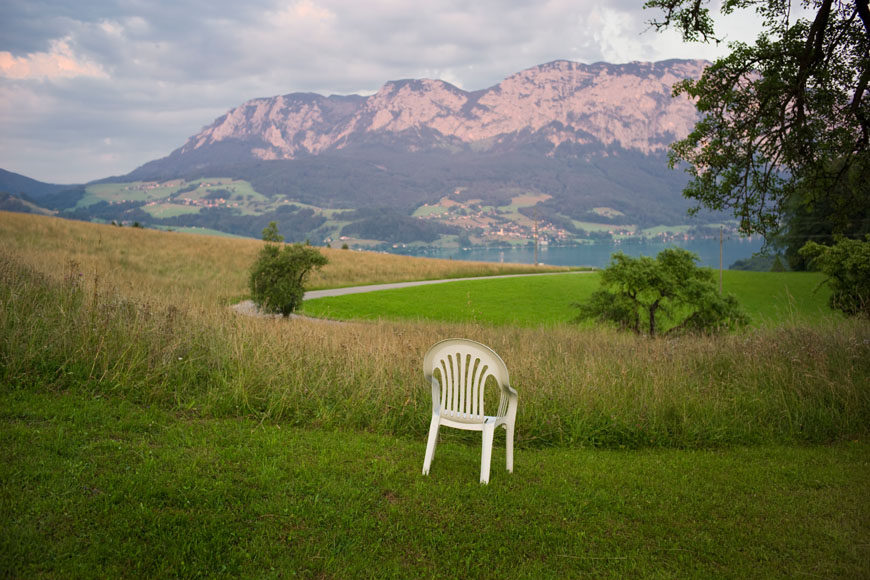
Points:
(471, 425)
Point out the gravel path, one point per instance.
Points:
(248, 308)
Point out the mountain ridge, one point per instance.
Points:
(577, 144)
(557, 103)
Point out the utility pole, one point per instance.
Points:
(536, 236)
(721, 231)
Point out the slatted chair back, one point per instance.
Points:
(458, 370)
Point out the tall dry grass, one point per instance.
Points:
(206, 271)
(98, 319)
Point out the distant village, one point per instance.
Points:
(208, 200)
(486, 224)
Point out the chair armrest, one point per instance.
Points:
(507, 405)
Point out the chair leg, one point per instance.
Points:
(486, 454)
(509, 446)
(430, 445)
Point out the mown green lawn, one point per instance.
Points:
(525, 301)
(768, 297)
(97, 487)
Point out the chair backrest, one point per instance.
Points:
(465, 366)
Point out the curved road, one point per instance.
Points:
(375, 287)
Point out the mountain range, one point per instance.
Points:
(566, 145)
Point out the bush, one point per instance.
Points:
(278, 276)
(760, 263)
(847, 265)
(645, 295)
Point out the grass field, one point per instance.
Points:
(769, 298)
(147, 430)
(205, 271)
(119, 192)
(166, 210)
(527, 301)
(99, 487)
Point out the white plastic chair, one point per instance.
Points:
(458, 396)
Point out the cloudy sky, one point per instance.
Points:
(96, 88)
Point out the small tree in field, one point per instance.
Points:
(270, 233)
(847, 265)
(669, 292)
(278, 276)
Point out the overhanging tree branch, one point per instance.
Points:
(781, 117)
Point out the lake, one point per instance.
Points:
(598, 254)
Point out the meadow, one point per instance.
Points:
(769, 298)
(149, 430)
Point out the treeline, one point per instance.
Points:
(392, 227)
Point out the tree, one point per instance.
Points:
(669, 291)
(783, 118)
(270, 233)
(760, 262)
(847, 266)
(824, 218)
(277, 280)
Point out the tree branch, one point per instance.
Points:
(813, 53)
(862, 7)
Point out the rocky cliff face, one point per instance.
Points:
(556, 104)
(587, 142)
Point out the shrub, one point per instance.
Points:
(638, 293)
(847, 265)
(278, 276)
